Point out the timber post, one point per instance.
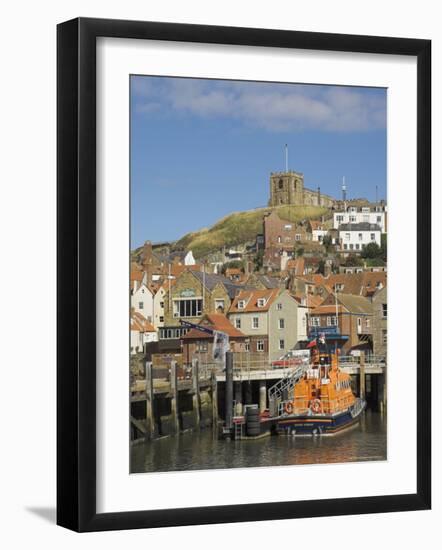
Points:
(174, 398)
(196, 391)
(150, 420)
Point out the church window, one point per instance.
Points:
(280, 184)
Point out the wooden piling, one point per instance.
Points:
(262, 396)
(362, 376)
(229, 389)
(174, 396)
(214, 404)
(150, 420)
(196, 391)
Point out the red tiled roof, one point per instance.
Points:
(136, 275)
(315, 225)
(140, 323)
(216, 321)
(251, 298)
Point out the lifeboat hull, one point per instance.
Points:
(320, 424)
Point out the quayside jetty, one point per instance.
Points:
(236, 397)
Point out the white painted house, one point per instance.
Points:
(374, 215)
(142, 299)
(318, 230)
(353, 236)
(141, 332)
(158, 307)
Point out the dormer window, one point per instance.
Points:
(241, 304)
(261, 302)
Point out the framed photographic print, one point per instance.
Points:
(232, 203)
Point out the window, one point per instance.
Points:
(255, 322)
(297, 237)
(287, 227)
(241, 304)
(384, 336)
(187, 308)
(280, 184)
(357, 246)
(339, 219)
(140, 305)
(366, 219)
(332, 321)
(351, 247)
(162, 305)
(384, 311)
(367, 322)
(161, 319)
(378, 219)
(372, 237)
(279, 239)
(352, 219)
(359, 322)
(238, 322)
(247, 346)
(360, 236)
(261, 302)
(281, 344)
(347, 236)
(219, 304)
(260, 345)
(201, 346)
(279, 306)
(345, 247)
(281, 323)
(315, 322)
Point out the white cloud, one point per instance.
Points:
(274, 107)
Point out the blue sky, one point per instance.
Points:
(201, 149)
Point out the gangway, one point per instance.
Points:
(281, 390)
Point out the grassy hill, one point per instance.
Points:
(240, 227)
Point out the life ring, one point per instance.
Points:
(288, 407)
(316, 406)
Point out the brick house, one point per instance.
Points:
(351, 315)
(282, 236)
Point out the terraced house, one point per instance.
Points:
(269, 318)
(193, 294)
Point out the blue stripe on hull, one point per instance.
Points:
(309, 424)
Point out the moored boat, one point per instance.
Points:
(317, 398)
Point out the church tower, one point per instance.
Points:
(286, 188)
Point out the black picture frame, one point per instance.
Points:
(76, 273)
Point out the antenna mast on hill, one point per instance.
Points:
(344, 189)
(286, 158)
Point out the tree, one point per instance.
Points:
(299, 252)
(352, 261)
(327, 242)
(321, 267)
(258, 260)
(371, 250)
(384, 246)
(233, 264)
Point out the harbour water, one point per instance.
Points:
(201, 451)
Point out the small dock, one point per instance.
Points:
(203, 395)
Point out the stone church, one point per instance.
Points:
(288, 188)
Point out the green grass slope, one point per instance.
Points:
(240, 227)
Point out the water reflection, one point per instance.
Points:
(200, 451)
